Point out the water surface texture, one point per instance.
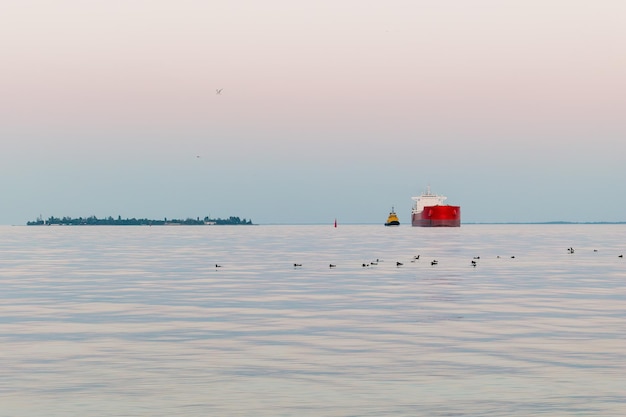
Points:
(139, 321)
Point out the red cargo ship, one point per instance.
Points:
(429, 211)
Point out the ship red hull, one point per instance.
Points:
(438, 216)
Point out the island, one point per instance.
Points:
(110, 221)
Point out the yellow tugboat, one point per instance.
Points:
(392, 220)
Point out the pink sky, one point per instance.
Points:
(534, 83)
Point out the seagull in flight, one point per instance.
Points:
(218, 91)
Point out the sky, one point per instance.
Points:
(515, 110)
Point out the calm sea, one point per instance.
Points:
(139, 321)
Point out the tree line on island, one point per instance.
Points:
(110, 221)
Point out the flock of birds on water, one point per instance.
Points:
(473, 262)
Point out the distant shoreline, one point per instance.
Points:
(554, 222)
(110, 221)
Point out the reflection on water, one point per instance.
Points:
(134, 321)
